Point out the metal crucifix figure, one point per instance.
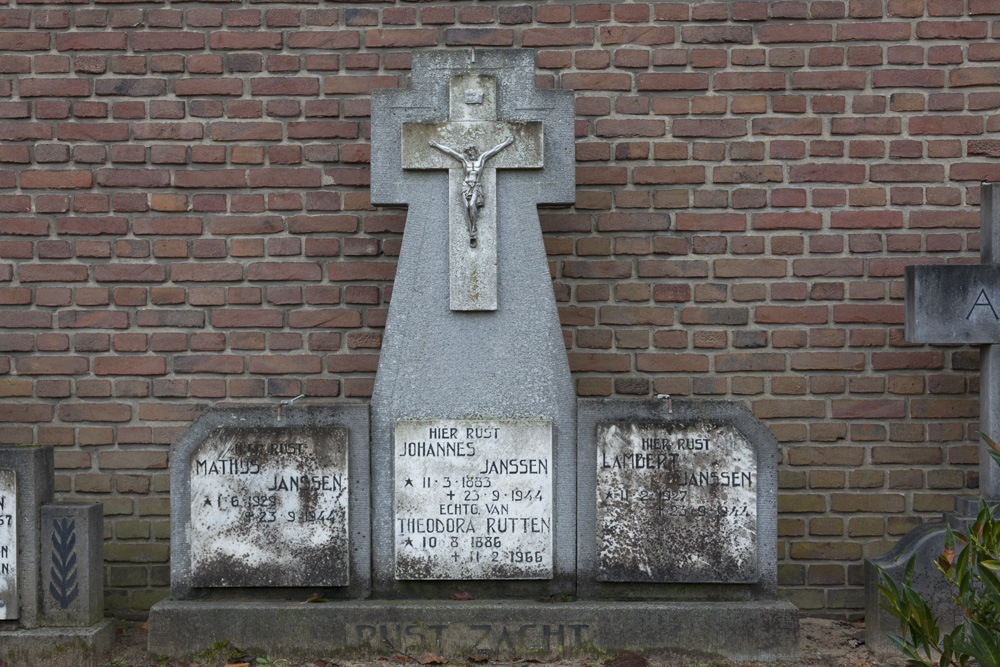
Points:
(472, 188)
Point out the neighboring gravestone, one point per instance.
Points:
(473, 334)
(51, 568)
(952, 304)
(261, 502)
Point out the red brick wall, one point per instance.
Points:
(184, 220)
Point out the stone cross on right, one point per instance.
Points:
(961, 304)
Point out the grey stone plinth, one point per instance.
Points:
(72, 564)
(59, 647)
(34, 468)
(731, 414)
(747, 631)
(507, 364)
(352, 416)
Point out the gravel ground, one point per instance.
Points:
(822, 642)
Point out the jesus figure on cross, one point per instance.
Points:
(472, 188)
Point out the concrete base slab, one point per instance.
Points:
(751, 631)
(59, 647)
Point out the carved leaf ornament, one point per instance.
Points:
(63, 587)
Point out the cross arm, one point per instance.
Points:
(953, 304)
(525, 153)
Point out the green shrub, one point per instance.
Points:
(973, 572)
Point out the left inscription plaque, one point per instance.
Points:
(8, 544)
(269, 508)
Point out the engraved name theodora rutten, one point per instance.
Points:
(472, 188)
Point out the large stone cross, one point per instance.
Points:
(473, 331)
(961, 304)
(472, 132)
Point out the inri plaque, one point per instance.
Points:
(473, 499)
(8, 544)
(676, 502)
(269, 508)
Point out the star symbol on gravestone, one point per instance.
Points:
(409, 542)
(409, 482)
(208, 501)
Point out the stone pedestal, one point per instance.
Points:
(740, 631)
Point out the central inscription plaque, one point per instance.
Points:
(473, 499)
(676, 502)
(8, 544)
(269, 508)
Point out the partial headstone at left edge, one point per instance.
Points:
(264, 498)
(51, 568)
(29, 471)
(8, 545)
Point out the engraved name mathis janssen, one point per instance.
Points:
(239, 467)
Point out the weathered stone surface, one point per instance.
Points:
(8, 544)
(473, 499)
(59, 647)
(924, 544)
(759, 631)
(72, 564)
(717, 541)
(676, 502)
(441, 364)
(279, 532)
(269, 508)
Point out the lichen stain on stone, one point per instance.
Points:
(270, 536)
(662, 525)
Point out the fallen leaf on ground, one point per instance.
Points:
(403, 658)
(627, 659)
(237, 664)
(145, 625)
(478, 658)
(462, 595)
(854, 643)
(432, 659)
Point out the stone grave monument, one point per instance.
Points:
(268, 506)
(51, 568)
(473, 379)
(484, 533)
(957, 304)
(678, 505)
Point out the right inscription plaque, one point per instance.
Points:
(676, 502)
